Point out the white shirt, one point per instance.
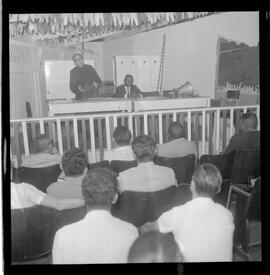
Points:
(25, 195)
(41, 160)
(120, 153)
(127, 91)
(146, 177)
(98, 238)
(203, 229)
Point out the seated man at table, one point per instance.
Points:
(202, 228)
(128, 90)
(249, 137)
(123, 151)
(74, 165)
(146, 177)
(45, 154)
(178, 145)
(25, 195)
(99, 237)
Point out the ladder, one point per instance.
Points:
(161, 66)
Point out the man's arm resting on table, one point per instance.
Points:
(61, 204)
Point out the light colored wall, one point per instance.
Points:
(191, 48)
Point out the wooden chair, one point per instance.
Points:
(32, 232)
(224, 162)
(121, 165)
(183, 167)
(248, 211)
(246, 163)
(141, 207)
(222, 196)
(103, 164)
(41, 178)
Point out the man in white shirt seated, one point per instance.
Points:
(123, 151)
(99, 237)
(45, 154)
(178, 146)
(146, 177)
(25, 195)
(74, 165)
(202, 228)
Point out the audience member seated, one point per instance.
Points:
(25, 195)
(128, 90)
(249, 137)
(45, 154)
(123, 151)
(155, 247)
(74, 165)
(99, 237)
(202, 228)
(178, 146)
(146, 177)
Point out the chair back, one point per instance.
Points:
(73, 215)
(246, 163)
(32, 232)
(254, 207)
(141, 207)
(222, 196)
(223, 162)
(102, 164)
(121, 165)
(41, 178)
(183, 167)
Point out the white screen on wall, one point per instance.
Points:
(57, 74)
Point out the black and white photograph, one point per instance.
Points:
(134, 138)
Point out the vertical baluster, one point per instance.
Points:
(59, 135)
(25, 138)
(130, 124)
(84, 136)
(67, 129)
(203, 131)
(17, 143)
(211, 127)
(258, 116)
(108, 133)
(231, 122)
(92, 135)
(217, 130)
(75, 131)
(174, 116)
(145, 124)
(224, 135)
(100, 139)
(160, 128)
(189, 125)
(41, 125)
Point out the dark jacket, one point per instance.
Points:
(120, 91)
(83, 77)
(247, 140)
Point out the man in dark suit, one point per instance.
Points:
(82, 77)
(249, 137)
(128, 90)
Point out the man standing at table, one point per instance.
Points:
(128, 90)
(82, 77)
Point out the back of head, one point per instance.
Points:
(122, 135)
(176, 130)
(99, 187)
(144, 148)
(207, 180)
(74, 162)
(76, 55)
(248, 121)
(41, 143)
(154, 246)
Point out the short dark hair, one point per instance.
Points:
(250, 120)
(122, 135)
(74, 162)
(143, 147)
(127, 76)
(75, 54)
(154, 246)
(207, 179)
(176, 130)
(99, 187)
(41, 143)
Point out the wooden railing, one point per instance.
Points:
(92, 133)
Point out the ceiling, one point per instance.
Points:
(68, 29)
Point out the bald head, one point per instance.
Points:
(176, 130)
(248, 122)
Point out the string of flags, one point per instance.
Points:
(67, 25)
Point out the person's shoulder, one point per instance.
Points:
(132, 170)
(74, 69)
(164, 169)
(124, 225)
(89, 67)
